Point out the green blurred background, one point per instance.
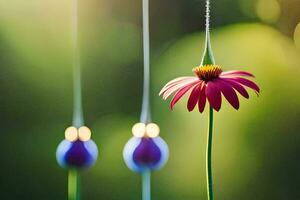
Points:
(256, 150)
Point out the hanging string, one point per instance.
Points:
(78, 120)
(146, 114)
(208, 57)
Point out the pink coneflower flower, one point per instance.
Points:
(211, 82)
(209, 85)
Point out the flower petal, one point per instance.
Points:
(213, 95)
(247, 83)
(180, 94)
(174, 82)
(202, 98)
(238, 87)
(237, 73)
(228, 93)
(178, 86)
(194, 96)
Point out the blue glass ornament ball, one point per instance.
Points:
(145, 153)
(77, 154)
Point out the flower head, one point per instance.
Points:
(209, 85)
(77, 150)
(146, 150)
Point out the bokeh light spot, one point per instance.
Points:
(139, 129)
(152, 130)
(268, 11)
(71, 134)
(84, 133)
(297, 36)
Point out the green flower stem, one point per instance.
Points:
(208, 56)
(208, 59)
(146, 185)
(146, 114)
(78, 119)
(74, 185)
(209, 176)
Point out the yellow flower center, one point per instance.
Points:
(208, 72)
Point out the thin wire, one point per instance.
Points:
(146, 114)
(78, 120)
(146, 184)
